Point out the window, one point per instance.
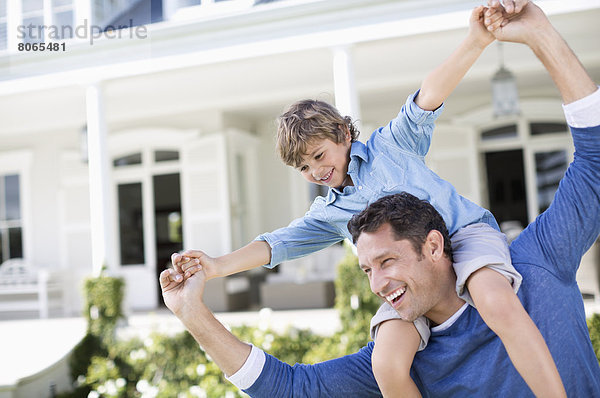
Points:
(11, 236)
(3, 21)
(503, 132)
(550, 167)
(42, 21)
(128, 160)
(548, 128)
(165, 156)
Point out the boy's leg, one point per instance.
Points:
(487, 280)
(502, 311)
(395, 348)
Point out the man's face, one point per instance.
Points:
(326, 162)
(407, 280)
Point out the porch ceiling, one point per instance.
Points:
(259, 87)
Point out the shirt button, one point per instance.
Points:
(360, 187)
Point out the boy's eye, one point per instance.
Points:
(319, 156)
(303, 169)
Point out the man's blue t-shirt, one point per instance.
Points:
(468, 359)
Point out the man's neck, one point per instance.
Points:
(447, 305)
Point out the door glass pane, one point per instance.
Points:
(15, 246)
(550, 168)
(12, 197)
(2, 250)
(131, 224)
(167, 220)
(506, 186)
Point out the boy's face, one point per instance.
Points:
(326, 162)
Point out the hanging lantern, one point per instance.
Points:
(505, 96)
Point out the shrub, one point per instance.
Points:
(594, 328)
(103, 305)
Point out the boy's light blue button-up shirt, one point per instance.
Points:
(391, 162)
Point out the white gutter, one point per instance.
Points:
(322, 39)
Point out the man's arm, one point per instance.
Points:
(530, 26)
(440, 83)
(571, 224)
(262, 375)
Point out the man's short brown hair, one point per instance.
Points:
(305, 121)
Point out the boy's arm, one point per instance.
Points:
(438, 85)
(303, 236)
(252, 255)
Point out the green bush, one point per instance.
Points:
(594, 328)
(103, 305)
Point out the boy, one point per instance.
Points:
(318, 142)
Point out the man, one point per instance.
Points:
(464, 358)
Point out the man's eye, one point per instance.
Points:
(366, 270)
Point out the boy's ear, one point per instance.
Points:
(346, 131)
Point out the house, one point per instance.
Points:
(143, 127)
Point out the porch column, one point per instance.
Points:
(346, 95)
(101, 211)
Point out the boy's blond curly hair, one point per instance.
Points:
(308, 120)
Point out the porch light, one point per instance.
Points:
(505, 96)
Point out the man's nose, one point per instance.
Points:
(378, 281)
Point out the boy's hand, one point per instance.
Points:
(521, 26)
(191, 261)
(477, 30)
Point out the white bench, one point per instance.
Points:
(24, 288)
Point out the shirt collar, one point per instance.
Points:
(358, 150)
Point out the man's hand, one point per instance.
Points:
(182, 296)
(522, 25)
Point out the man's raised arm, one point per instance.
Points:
(530, 26)
(568, 228)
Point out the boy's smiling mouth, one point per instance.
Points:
(327, 177)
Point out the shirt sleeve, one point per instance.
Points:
(566, 230)
(412, 129)
(250, 371)
(303, 236)
(584, 112)
(348, 376)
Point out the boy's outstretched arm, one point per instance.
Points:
(438, 85)
(252, 255)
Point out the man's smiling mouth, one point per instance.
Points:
(395, 295)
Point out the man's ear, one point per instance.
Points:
(434, 245)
